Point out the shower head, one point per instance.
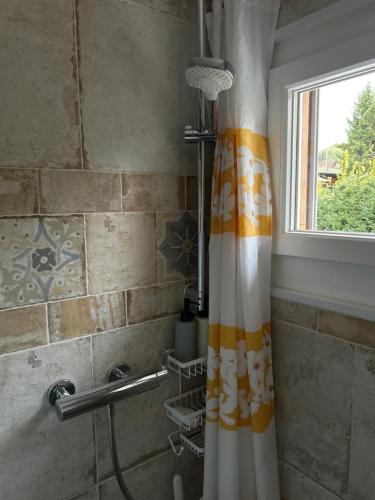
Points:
(210, 75)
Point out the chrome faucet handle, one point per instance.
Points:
(119, 371)
(60, 390)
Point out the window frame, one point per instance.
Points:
(333, 63)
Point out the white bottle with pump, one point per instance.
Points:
(185, 335)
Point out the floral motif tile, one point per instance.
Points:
(177, 245)
(41, 259)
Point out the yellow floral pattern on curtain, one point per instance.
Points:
(241, 198)
(239, 375)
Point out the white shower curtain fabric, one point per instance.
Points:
(240, 449)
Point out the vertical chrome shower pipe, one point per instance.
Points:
(201, 165)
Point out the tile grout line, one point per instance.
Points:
(79, 83)
(156, 248)
(96, 171)
(47, 324)
(86, 252)
(125, 292)
(91, 335)
(121, 193)
(350, 433)
(72, 213)
(38, 190)
(89, 295)
(338, 496)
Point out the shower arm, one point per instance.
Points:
(72, 405)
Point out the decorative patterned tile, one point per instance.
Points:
(23, 328)
(42, 259)
(77, 317)
(177, 245)
(18, 192)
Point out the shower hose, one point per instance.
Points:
(112, 443)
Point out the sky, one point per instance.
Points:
(336, 104)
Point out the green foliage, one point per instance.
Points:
(349, 205)
(361, 132)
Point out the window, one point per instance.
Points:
(333, 155)
(319, 79)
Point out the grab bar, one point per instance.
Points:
(69, 406)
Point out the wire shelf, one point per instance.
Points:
(187, 410)
(194, 441)
(188, 369)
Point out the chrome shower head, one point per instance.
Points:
(210, 75)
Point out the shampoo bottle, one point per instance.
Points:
(185, 335)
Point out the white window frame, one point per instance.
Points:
(335, 61)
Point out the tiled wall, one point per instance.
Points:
(97, 234)
(324, 367)
(292, 10)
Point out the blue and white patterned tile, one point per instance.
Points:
(177, 245)
(41, 259)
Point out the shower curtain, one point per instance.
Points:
(240, 450)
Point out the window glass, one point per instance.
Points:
(334, 156)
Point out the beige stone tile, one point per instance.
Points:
(180, 8)
(152, 192)
(39, 110)
(121, 251)
(142, 426)
(362, 458)
(347, 327)
(141, 346)
(141, 58)
(192, 193)
(40, 457)
(292, 10)
(293, 312)
(79, 191)
(90, 494)
(23, 328)
(18, 192)
(156, 301)
(297, 486)
(77, 317)
(313, 376)
(42, 258)
(177, 241)
(158, 469)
